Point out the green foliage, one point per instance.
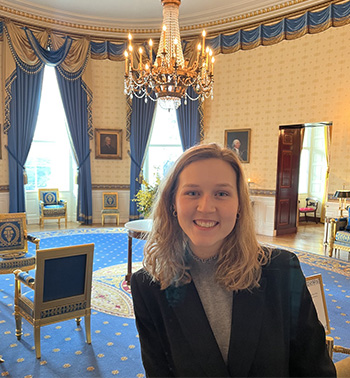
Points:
(145, 196)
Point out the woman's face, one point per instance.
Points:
(206, 202)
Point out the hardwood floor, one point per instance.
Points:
(308, 238)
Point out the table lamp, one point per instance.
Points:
(342, 195)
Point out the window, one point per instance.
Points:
(50, 162)
(313, 164)
(164, 146)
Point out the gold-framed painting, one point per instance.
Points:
(238, 140)
(108, 144)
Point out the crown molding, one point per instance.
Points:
(220, 18)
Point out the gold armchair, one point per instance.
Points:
(62, 290)
(14, 243)
(339, 236)
(51, 207)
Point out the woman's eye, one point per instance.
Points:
(192, 193)
(222, 194)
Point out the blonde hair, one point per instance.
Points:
(240, 256)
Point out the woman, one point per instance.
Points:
(210, 302)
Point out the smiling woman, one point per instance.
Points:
(206, 278)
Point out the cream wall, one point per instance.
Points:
(109, 112)
(300, 81)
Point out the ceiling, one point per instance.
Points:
(116, 17)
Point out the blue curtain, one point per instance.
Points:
(188, 119)
(24, 108)
(140, 127)
(75, 102)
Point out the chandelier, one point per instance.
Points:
(169, 76)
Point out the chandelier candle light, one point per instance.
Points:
(170, 75)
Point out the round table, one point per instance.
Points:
(137, 229)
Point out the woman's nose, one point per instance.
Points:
(206, 204)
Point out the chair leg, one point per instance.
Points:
(88, 328)
(103, 220)
(117, 219)
(37, 341)
(78, 321)
(19, 330)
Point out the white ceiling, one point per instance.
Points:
(145, 16)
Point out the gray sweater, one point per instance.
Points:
(216, 300)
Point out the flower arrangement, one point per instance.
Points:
(145, 196)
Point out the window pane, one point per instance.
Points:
(165, 145)
(50, 160)
(165, 129)
(304, 171)
(161, 159)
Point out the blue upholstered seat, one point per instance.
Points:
(51, 207)
(340, 235)
(14, 244)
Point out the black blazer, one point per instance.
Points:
(275, 331)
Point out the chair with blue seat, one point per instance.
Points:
(340, 235)
(60, 290)
(51, 207)
(14, 243)
(110, 206)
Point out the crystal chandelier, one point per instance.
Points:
(169, 75)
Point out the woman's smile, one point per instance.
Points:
(205, 223)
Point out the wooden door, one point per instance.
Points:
(289, 148)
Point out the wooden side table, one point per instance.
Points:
(138, 229)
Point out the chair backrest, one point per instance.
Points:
(63, 280)
(311, 202)
(110, 200)
(13, 231)
(49, 196)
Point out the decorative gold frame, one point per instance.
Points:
(244, 136)
(115, 136)
(315, 285)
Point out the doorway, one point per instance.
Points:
(291, 140)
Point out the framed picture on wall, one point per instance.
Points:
(108, 144)
(238, 140)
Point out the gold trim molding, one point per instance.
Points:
(228, 23)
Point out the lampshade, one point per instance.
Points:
(342, 194)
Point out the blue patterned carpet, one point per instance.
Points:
(115, 346)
